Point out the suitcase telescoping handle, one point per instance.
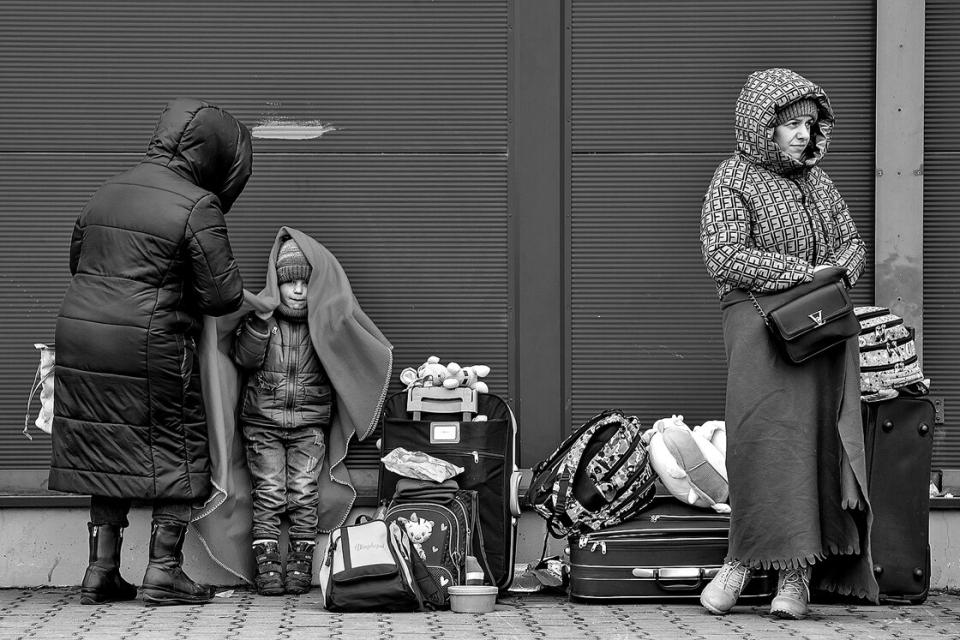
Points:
(442, 400)
(677, 578)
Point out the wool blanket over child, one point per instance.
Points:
(358, 360)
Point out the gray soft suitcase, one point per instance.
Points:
(668, 553)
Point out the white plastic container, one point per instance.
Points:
(472, 598)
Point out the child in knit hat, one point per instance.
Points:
(286, 405)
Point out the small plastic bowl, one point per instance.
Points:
(472, 598)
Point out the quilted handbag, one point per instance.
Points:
(816, 316)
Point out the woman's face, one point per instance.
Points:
(793, 136)
(294, 294)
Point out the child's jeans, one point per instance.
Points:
(284, 465)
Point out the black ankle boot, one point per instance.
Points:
(269, 580)
(299, 574)
(165, 582)
(102, 581)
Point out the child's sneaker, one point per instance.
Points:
(724, 590)
(793, 594)
(299, 566)
(269, 580)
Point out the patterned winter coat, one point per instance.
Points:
(287, 386)
(768, 219)
(149, 256)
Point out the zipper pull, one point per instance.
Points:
(476, 458)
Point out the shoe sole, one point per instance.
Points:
(95, 598)
(159, 597)
(787, 615)
(714, 610)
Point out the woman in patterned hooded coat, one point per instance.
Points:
(149, 257)
(772, 219)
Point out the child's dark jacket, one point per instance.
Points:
(287, 386)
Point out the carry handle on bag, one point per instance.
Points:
(692, 579)
(442, 400)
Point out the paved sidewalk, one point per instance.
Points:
(50, 613)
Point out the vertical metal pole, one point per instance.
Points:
(899, 159)
(536, 228)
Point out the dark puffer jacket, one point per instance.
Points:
(287, 386)
(149, 256)
(767, 219)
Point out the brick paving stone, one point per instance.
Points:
(55, 613)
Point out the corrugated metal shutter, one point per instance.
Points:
(409, 190)
(652, 89)
(941, 225)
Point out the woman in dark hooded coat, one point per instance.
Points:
(772, 219)
(149, 257)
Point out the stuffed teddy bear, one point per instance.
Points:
(690, 462)
(419, 530)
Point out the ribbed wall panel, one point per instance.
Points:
(653, 85)
(388, 74)
(409, 190)
(422, 238)
(645, 320)
(664, 75)
(941, 224)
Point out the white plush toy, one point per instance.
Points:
(432, 373)
(690, 462)
(467, 377)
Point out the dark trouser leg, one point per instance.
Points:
(305, 451)
(172, 512)
(102, 581)
(164, 581)
(104, 510)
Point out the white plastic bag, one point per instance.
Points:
(42, 382)
(419, 465)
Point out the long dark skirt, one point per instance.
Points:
(795, 458)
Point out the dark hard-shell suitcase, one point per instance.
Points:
(442, 422)
(898, 436)
(668, 553)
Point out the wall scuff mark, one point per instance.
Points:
(291, 129)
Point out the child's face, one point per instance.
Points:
(294, 294)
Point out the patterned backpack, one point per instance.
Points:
(599, 477)
(888, 354)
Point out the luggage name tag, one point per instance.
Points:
(444, 432)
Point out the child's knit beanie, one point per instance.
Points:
(291, 263)
(797, 108)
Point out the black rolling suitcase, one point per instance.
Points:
(898, 436)
(668, 553)
(442, 422)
